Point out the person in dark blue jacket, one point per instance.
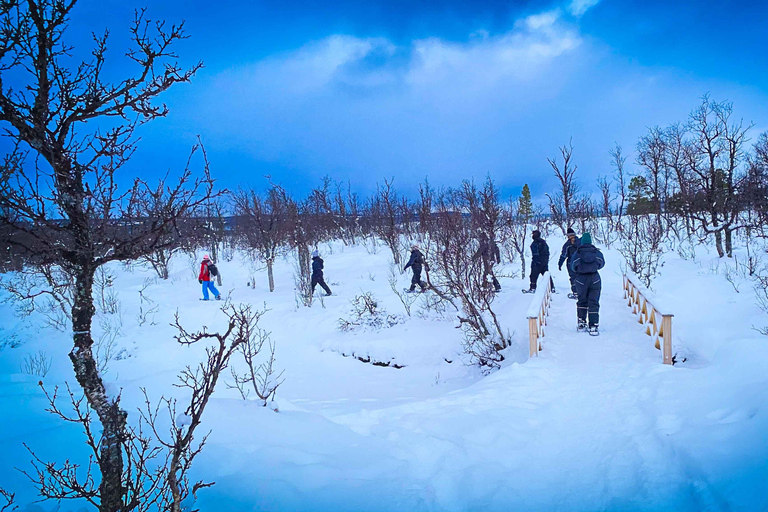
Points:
(415, 263)
(569, 249)
(317, 273)
(585, 263)
(539, 260)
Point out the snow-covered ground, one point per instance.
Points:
(593, 423)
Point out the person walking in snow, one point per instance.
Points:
(208, 272)
(490, 254)
(539, 260)
(586, 262)
(569, 249)
(415, 263)
(317, 273)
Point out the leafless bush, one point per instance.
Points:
(406, 299)
(641, 246)
(457, 275)
(731, 274)
(105, 345)
(260, 376)
(10, 340)
(147, 307)
(160, 259)
(47, 290)
(366, 313)
(106, 295)
(36, 364)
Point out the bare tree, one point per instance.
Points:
(155, 475)
(456, 274)
(61, 196)
(714, 156)
(562, 202)
(617, 162)
(262, 225)
(384, 212)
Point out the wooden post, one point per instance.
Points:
(533, 335)
(666, 325)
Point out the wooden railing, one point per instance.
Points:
(657, 322)
(538, 311)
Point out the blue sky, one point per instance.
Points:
(364, 91)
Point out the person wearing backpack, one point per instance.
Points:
(317, 273)
(585, 263)
(208, 272)
(415, 263)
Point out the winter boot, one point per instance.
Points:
(593, 331)
(582, 327)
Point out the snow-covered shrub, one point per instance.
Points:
(367, 314)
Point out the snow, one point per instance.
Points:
(593, 423)
(542, 284)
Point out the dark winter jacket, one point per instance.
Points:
(587, 260)
(317, 266)
(569, 249)
(539, 253)
(489, 251)
(416, 261)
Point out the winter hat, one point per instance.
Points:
(570, 232)
(586, 238)
(536, 233)
(315, 254)
(206, 258)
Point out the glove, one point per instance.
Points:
(200, 281)
(560, 267)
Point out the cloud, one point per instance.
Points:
(579, 7)
(362, 108)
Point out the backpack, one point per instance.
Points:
(212, 270)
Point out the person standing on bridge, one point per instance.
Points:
(569, 249)
(585, 263)
(539, 261)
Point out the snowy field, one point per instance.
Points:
(593, 423)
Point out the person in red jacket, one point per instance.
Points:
(207, 273)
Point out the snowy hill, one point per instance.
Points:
(593, 423)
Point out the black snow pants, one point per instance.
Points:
(317, 279)
(536, 271)
(588, 290)
(416, 279)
